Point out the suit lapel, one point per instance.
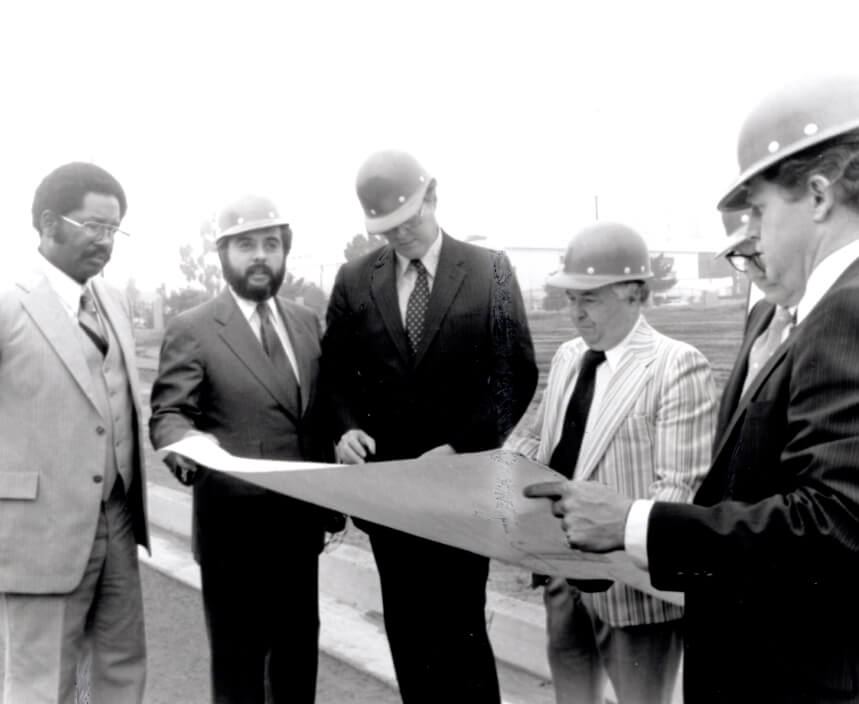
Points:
(303, 348)
(760, 378)
(759, 319)
(48, 314)
(634, 369)
(238, 336)
(383, 288)
(448, 279)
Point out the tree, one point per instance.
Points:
(361, 245)
(304, 292)
(663, 274)
(198, 266)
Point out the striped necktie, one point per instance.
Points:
(90, 322)
(277, 355)
(767, 343)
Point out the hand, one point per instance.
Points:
(183, 469)
(353, 447)
(593, 516)
(446, 449)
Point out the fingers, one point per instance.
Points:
(354, 446)
(183, 469)
(547, 490)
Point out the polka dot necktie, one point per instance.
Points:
(416, 309)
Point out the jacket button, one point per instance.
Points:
(98, 479)
(100, 430)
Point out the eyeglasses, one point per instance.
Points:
(743, 261)
(96, 230)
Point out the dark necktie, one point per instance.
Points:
(274, 349)
(566, 453)
(416, 308)
(90, 323)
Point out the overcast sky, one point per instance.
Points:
(526, 112)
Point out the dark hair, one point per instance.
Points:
(63, 190)
(837, 159)
(285, 237)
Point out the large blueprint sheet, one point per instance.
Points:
(473, 501)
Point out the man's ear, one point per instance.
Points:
(823, 196)
(48, 223)
(430, 196)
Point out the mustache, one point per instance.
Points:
(259, 269)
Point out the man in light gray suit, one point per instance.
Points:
(72, 500)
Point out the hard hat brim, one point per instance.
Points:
(376, 225)
(737, 237)
(735, 198)
(584, 282)
(249, 225)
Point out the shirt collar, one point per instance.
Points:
(67, 289)
(249, 307)
(824, 276)
(429, 260)
(616, 353)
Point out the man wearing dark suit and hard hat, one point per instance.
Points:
(242, 368)
(768, 554)
(427, 351)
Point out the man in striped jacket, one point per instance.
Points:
(633, 409)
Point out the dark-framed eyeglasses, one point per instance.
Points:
(743, 261)
(96, 230)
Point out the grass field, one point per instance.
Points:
(715, 330)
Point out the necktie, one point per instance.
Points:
(275, 352)
(566, 453)
(766, 343)
(90, 323)
(416, 308)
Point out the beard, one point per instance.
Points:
(241, 284)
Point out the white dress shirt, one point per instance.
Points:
(249, 310)
(407, 275)
(824, 275)
(67, 289)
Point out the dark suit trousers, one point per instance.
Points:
(259, 569)
(434, 600)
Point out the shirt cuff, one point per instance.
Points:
(635, 531)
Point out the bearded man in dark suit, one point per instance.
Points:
(242, 368)
(427, 351)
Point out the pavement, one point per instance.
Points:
(350, 607)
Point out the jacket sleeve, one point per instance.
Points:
(683, 426)
(515, 371)
(805, 525)
(338, 375)
(176, 390)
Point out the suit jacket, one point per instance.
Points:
(472, 376)
(52, 439)
(650, 437)
(214, 377)
(768, 556)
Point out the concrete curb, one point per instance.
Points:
(347, 577)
